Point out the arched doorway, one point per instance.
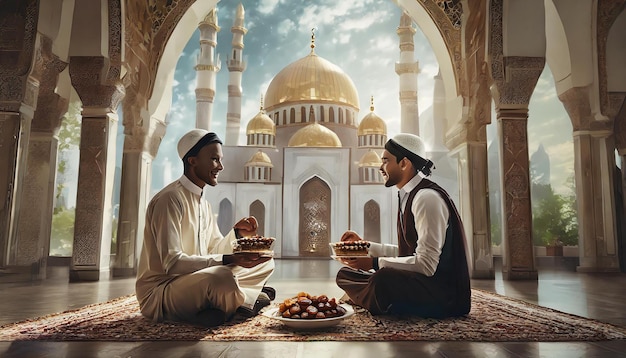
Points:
(371, 220)
(314, 219)
(257, 209)
(225, 219)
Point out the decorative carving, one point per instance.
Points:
(451, 8)
(616, 102)
(518, 79)
(516, 191)
(450, 29)
(115, 41)
(515, 77)
(94, 90)
(608, 11)
(315, 204)
(576, 103)
(90, 195)
(619, 127)
(50, 106)
(35, 195)
(18, 31)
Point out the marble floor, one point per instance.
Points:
(597, 296)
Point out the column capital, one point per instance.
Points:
(515, 79)
(577, 103)
(96, 82)
(50, 105)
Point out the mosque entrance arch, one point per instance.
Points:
(314, 219)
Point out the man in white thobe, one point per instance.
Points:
(187, 270)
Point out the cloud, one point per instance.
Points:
(545, 91)
(285, 27)
(342, 38)
(267, 6)
(561, 165)
(363, 23)
(385, 45)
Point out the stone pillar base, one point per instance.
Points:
(488, 274)
(84, 275)
(11, 274)
(583, 269)
(123, 272)
(520, 275)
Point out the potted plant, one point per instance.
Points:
(554, 246)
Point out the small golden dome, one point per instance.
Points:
(370, 159)
(261, 124)
(372, 123)
(314, 135)
(259, 159)
(311, 78)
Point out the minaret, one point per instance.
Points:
(439, 113)
(207, 68)
(236, 66)
(407, 68)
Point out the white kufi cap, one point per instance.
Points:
(192, 138)
(412, 143)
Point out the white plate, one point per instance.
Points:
(309, 323)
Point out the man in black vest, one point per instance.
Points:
(426, 274)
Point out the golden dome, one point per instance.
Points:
(311, 78)
(314, 135)
(370, 159)
(372, 123)
(261, 124)
(259, 159)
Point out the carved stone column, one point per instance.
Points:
(469, 142)
(515, 79)
(92, 230)
(18, 94)
(474, 206)
(594, 162)
(518, 255)
(14, 134)
(468, 138)
(37, 199)
(139, 151)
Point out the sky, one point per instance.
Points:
(364, 44)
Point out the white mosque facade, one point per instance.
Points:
(309, 169)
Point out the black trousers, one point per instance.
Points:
(392, 291)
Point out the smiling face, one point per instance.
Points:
(395, 173)
(206, 166)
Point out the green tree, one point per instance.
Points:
(62, 233)
(554, 221)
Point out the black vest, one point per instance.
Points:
(452, 273)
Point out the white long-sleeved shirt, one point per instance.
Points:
(431, 222)
(181, 236)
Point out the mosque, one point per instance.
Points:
(309, 169)
(123, 54)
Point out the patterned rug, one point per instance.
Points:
(493, 318)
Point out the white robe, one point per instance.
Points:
(180, 268)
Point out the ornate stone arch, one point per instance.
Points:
(315, 220)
